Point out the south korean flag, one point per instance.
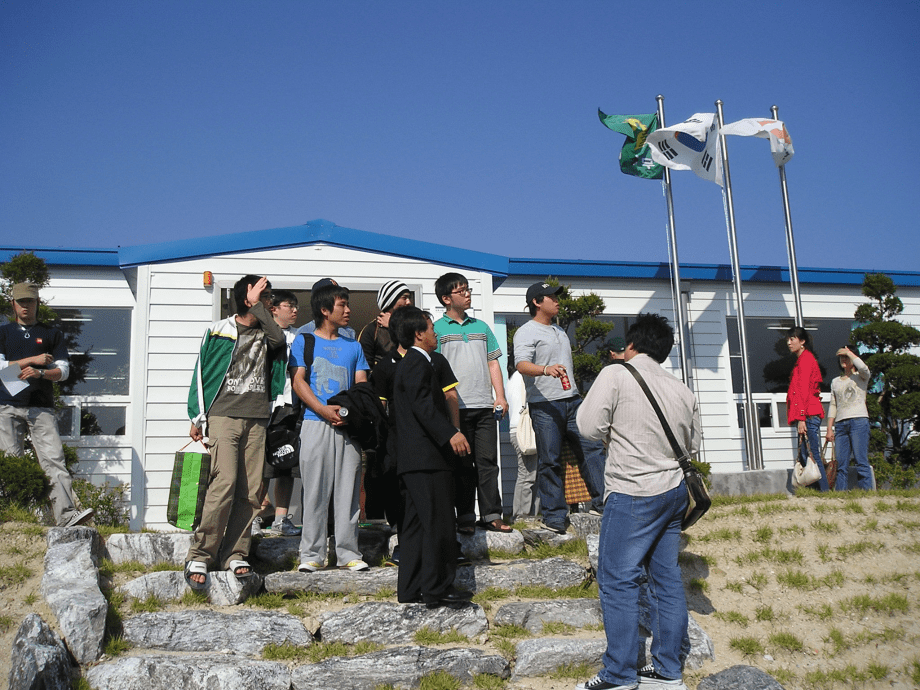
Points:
(691, 145)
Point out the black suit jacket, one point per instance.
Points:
(423, 428)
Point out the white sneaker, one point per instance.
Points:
(257, 527)
(357, 565)
(78, 518)
(309, 567)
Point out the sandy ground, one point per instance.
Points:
(839, 576)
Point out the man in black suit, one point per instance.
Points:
(426, 443)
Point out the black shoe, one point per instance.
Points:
(417, 599)
(463, 560)
(451, 596)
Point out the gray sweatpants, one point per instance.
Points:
(330, 467)
(46, 440)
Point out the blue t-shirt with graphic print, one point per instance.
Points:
(334, 365)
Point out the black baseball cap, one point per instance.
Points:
(541, 290)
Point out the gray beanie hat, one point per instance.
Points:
(389, 292)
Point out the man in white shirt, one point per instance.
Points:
(646, 499)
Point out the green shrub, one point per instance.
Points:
(107, 502)
(705, 469)
(892, 474)
(22, 481)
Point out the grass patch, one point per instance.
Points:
(825, 526)
(557, 628)
(757, 580)
(427, 636)
(857, 548)
(193, 598)
(324, 650)
(439, 680)
(822, 612)
(115, 646)
(724, 534)
(835, 578)
(12, 575)
(749, 646)
(765, 613)
(871, 525)
(543, 592)
(385, 593)
(506, 648)
(698, 585)
(720, 500)
(267, 600)
(889, 603)
(6, 622)
(736, 587)
(284, 652)
(796, 579)
(836, 638)
(787, 641)
(913, 670)
(795, 530)
(824, 553)
(763, 535)
(151, 604)
(487, 681)
(735, 617)
(509, 631)
(577, 548)
(853, 507)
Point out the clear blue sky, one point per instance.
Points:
(472, 124)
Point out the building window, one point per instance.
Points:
(99, 344)
(771, 363)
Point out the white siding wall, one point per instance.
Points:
(180, 310)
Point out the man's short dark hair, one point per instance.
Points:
(279, 296)
(325, 298)
(447, 283)
(532, 305)
(651, 334)
(241, 289)
(412, 320)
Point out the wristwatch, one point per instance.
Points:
(41, 373)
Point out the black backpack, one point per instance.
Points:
(282, 438)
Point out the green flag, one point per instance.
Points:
(635, 158)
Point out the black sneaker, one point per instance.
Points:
(597, 684)
(650, 679)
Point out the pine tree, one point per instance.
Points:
(894, 404)
(582, 311)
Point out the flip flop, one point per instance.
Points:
(466, 529)
(497, 525)
(196, 568)
(236, 566)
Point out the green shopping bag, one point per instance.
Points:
(191, 471)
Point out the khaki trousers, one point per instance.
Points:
(234, 494)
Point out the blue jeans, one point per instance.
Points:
(852, 434)
(639, 534)
(812, 427)
(552, 422)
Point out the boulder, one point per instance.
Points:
(543, 656)
(399, 666)
(533, 537)
(189, 672)
(585, 524)
(222, 588)
(593, 541)
(476, 546)
(740, 678)
(333, 580)
(149, 548)
(555, 573)
(211, 631)
(39, 658)
(387, 623)
(579, 613)
(70, 585)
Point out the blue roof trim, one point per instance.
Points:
(65, 256)
(717, 272)
(314, 232)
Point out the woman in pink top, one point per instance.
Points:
(803, 404)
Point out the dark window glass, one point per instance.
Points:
(99, 343)
(769, 358)
(102, 421)
(764, 413)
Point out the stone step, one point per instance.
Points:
(388, 623)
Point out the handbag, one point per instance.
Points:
(191, 473)
(807, 474)
(697, 493)
(526, 440)
(282, 437)
(830, 466)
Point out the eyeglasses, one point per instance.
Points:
(292, 307)
(464, 292)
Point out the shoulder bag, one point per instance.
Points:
(699, 500)
(526, 440)
(807, 474)
(830, 465)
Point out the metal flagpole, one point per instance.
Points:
(675, 267)
(751, 419)
(790, 241)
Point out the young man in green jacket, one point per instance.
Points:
(240, 370)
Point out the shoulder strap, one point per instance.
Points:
(675, 446)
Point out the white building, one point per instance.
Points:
(141, 311)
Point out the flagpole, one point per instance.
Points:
(790, 241)
(751, 419)
(675, 266)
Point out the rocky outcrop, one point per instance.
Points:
(70, 585)
(222, 588)
(740, 678)
(400, 666)
(386, 623)
(189, 672)
(333, 581)
(39, 659)
(210, 631)
(555, 573)
(579, 613)
(543, 656)
(149, 548)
